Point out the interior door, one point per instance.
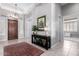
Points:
(12, 29)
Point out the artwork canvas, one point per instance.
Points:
(41, 22)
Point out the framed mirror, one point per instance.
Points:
(41, 23)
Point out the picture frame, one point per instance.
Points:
(41, 23)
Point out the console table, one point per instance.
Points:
(41, 40)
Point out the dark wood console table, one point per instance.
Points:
(41, 40)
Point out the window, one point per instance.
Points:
(70, 26)
(75, 26)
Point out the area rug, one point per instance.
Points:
(22, 49)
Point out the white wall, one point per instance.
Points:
(41, 10)
(70, 9)
(3, 28)
(53, 21)
(56, 24)
(53, 24)
(59, 22)
(21, 28)
(28, 29)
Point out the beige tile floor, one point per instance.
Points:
(63, 48)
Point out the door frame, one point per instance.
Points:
(8, 27)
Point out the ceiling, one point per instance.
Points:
(20, 8)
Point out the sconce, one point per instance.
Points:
(45, 29)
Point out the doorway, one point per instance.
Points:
(71, 29)
(12, 29)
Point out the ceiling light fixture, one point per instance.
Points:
(14, 14)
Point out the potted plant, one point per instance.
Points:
(34, 29)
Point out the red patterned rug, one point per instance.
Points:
(22, 49)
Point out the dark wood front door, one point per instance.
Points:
(12, 29)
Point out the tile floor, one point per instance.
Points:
(63, 48)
